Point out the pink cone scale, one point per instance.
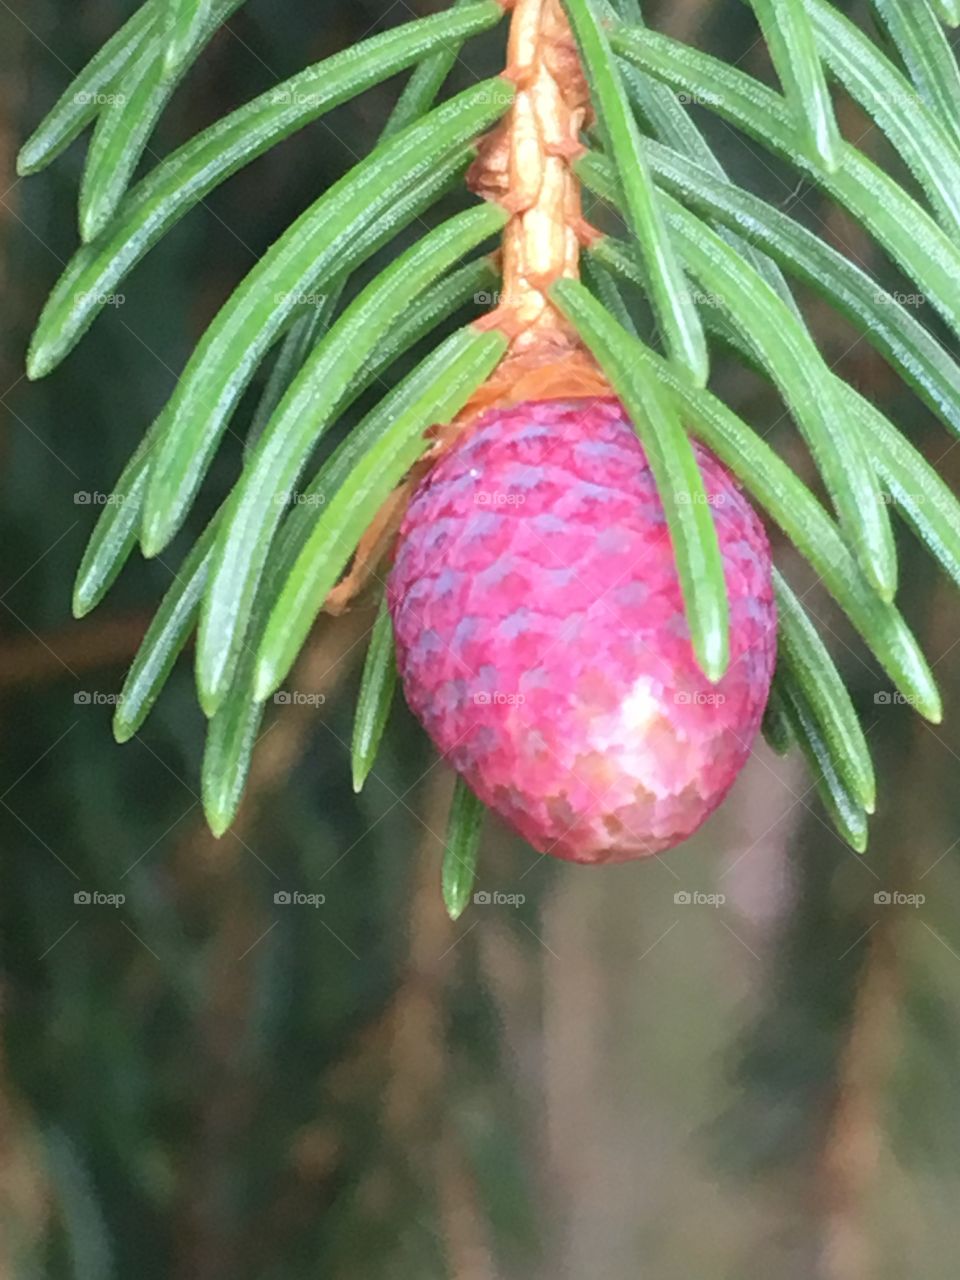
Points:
(541, 637)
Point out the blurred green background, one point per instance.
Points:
(602, 1082)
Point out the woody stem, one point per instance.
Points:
(525, 165)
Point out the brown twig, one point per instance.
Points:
(525, 165)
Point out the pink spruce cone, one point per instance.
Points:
(541, 636)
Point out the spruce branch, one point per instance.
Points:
(258, 575)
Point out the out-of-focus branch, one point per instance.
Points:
(24, 1193)
(208, 1245)
(419, 1058)
(854, 1134)
(70, 650)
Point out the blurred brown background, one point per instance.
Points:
(603, 1082)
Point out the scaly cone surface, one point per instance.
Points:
(541, 636)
